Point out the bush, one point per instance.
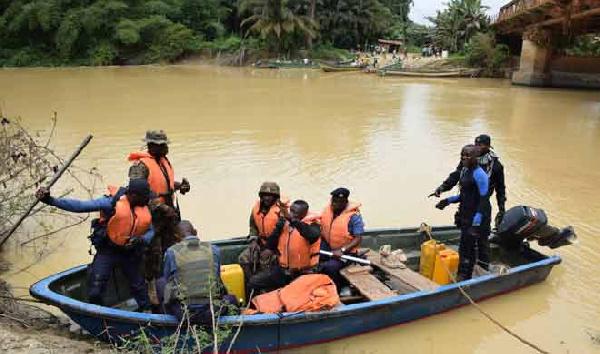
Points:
(327, 51)
(482, 52)
(102, 54)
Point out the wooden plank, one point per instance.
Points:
(479, 271)
(366, 283)
(405, 280)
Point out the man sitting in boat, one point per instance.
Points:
(191, 275)
(263, 218)
(474, 210)
(124, 226)
(296, 240)
(341, 233)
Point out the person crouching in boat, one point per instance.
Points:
(341, 233)
(263, 218)
(119, 236)
(296, 239)
(191, 277)
(474, 210)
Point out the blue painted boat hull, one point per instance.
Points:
(270, 332)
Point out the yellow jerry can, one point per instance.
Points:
(232, 276)
(445, 262)
(428, 252)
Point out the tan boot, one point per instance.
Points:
(152, 294)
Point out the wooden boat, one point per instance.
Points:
(433, 74)
(294, 65)
(327, 67)
(266, 332)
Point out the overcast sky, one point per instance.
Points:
(423, 8)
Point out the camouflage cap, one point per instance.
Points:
(270, 188)
(156, 137)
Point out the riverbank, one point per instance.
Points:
(26, 328)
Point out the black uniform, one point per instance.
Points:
(493, 168)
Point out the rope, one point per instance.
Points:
(427, 230)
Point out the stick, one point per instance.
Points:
(55, 178)
(348, 258)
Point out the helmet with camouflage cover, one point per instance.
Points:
(156, 137)
(269, 188)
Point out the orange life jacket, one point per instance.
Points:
(266, 222)
(295, 252)
(308, 293)
(157, 178)
(335, 230)
(126, 221)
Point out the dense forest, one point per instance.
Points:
(130, 32)
(104, 32)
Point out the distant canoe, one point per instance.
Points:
(433, 74)
(340, 67)
(294, 65)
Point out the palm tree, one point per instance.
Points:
(275, 19)
(472, 17)
(455, 25)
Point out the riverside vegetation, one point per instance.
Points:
(121, 32)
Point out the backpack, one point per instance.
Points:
(99, 236)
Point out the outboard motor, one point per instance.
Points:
(526, 223)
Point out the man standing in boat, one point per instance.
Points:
(341, 233)
(474, 210)
(119, 235)
(296, 240)
(264, 217)
(492, 167)
(155, 167)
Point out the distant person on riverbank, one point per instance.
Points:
(119, 236)
(474, 213)
(191, 274)
(264, 216)
(490, 163)
(155, 167)
(341, 233)
(296, 240)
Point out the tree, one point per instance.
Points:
(273, 19)
(455, 25)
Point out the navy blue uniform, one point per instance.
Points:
(108, 257)
(474, 220)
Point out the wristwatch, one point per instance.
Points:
(343, 249)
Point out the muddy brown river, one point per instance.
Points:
(391, 141)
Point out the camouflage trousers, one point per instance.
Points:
(255, 259)
(164, 237)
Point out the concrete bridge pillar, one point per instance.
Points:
(536, 55)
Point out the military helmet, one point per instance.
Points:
(156, 137)
(269, 188)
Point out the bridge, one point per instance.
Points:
(544, 26)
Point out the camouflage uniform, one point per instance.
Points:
(257, 256)
(164, 226)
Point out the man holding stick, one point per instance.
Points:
(124, 226)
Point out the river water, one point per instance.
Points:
(391, 141)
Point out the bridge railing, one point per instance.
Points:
(517, 7)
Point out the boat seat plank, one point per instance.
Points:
(479, 271)
(404, 279)
(366, 283)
